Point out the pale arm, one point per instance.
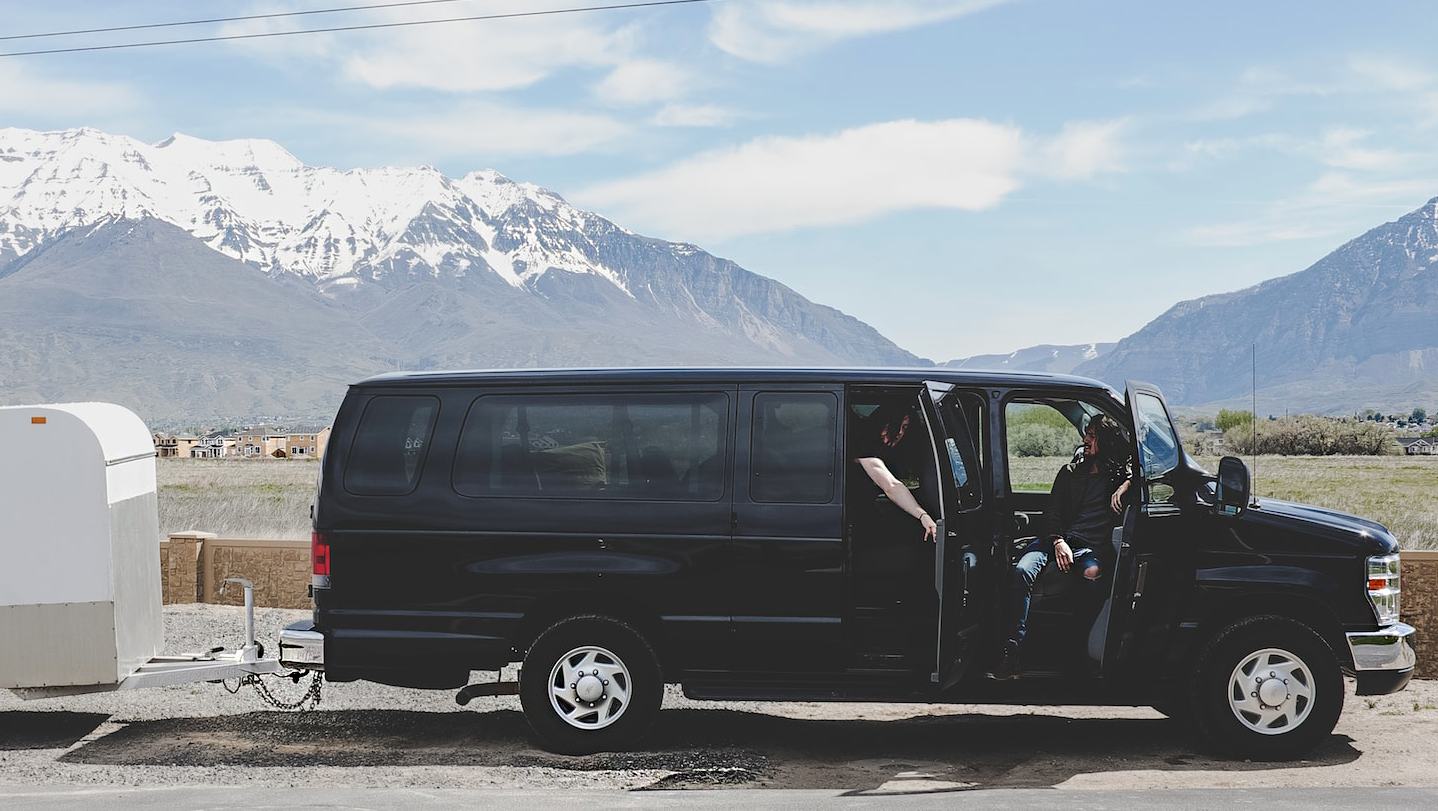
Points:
(897, 493)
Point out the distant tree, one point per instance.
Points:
(1227, 419)
(1310, 435)
(1418, 415)
(1039, 439)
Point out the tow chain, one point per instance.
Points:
(310, 698)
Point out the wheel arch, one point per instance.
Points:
(634, 613)
(1306, 609)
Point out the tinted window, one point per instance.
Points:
(633, 446)
(793, 450)
(1157, 446)
(389, 445)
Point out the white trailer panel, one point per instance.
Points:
(80, 594)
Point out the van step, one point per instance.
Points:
(486, 688)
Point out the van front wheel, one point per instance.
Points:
(590, 684)
(1267, 688)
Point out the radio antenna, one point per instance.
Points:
(1253, 369)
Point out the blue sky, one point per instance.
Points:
(968, 176)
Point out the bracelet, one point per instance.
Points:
(921, 517)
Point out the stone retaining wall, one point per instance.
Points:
(1420, 607)
(194, 564)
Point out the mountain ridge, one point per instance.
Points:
(404, 268)
(1357, 329)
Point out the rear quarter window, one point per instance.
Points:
(389, 446)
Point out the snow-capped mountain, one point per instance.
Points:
(255, 202)
(435, 272)
(1042, 358)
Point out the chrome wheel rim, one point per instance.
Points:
(1271, 691)
(589, 687)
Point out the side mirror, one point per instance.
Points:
(1232, 486)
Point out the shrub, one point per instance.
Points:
(1231, 419)
(1036, 439)
(1309, 435)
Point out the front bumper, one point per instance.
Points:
(302, 647)
(1383, 660)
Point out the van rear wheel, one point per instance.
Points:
(1268, 688)
(590, 684)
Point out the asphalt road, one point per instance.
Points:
(330, 799)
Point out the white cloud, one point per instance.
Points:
(459, 57)
(1340, 148)
(1327, 208)
(487, 130)
(777, 30)
(643, 81)
(691, 115)
(1390, 74)
(1083, 149)
(778, 184)
(480, 56)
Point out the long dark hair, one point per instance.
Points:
(891, 415)
(1113, 453)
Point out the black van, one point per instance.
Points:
(613, 530)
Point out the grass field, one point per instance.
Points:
(271, 498)
(1400, 492)
(237, 498)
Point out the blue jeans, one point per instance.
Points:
(1035, 557)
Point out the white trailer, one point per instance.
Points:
(80, 596)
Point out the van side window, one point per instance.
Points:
(793, 447)
(1041, 439)
(389, 445)
(623, 446)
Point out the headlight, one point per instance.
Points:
(1383, 587)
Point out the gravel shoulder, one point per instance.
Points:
(366, 735)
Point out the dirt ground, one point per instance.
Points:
(368, 735)
(1385, 741)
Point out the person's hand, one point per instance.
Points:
(1117, 501)
(930, 527)
(1063, 555)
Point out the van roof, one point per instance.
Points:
(731, 374)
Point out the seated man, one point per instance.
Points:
(1086, 499)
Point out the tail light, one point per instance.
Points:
(320, 554)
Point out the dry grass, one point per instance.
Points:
(237, 498)
(1400, 492)
(271, 498)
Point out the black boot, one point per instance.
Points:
(1009, 666)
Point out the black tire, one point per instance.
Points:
(1267, 688)
(590, 684)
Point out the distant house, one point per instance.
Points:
(307, 445)
(214, 446)
(250, 444)
(169, 446)
(256, 442)
(298, 445)
(1418, 445)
